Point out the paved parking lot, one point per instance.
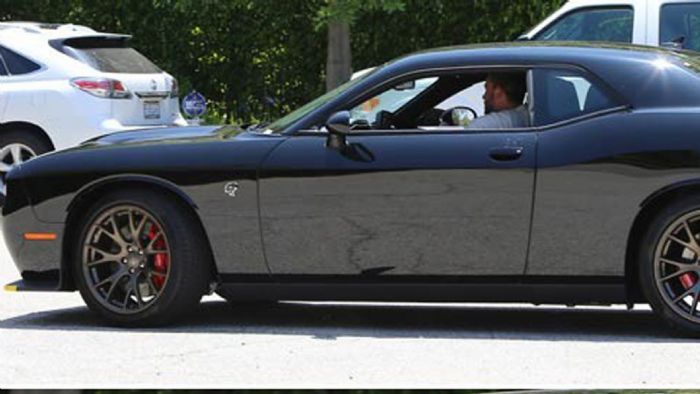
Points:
(51, 340)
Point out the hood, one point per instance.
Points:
(165, 135)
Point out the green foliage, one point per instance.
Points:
(238, 52)
(347, 10)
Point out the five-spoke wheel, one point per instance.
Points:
(16, 147)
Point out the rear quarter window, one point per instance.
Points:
(16, 64)
(562, 95)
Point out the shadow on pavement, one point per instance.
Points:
(330, 321)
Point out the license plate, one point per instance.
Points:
(151, 110)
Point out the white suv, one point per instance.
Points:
(63, 84)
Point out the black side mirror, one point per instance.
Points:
(338, 126)
(339, 123)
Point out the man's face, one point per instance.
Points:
(495, 98)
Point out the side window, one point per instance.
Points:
(390, 100)
(680, 26)
(561, 94)
(17, 64)
(471, 97)
(592, 24)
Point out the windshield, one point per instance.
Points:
(284, 122)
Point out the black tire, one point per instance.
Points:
(36, 143)
(659, 291)
(188, 261)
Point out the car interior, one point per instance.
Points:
(449, 101)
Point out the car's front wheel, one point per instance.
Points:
(141, 259)
(670, 264)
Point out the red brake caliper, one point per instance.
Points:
(160, 260)
(688, 280)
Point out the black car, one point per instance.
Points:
(596, 200)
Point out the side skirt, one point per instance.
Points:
(607, 291)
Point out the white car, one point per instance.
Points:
(63, 84)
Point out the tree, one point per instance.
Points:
(338, 16)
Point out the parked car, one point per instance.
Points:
(63, 84)
(668, 23)
(596, 201)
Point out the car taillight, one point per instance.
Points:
(174, 89)
(102, 87)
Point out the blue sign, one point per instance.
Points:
(194, 104)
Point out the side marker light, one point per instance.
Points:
(40, 236)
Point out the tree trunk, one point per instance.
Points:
(339, 61)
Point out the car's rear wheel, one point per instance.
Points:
(140, 259)
(670, 265)
(16, 147)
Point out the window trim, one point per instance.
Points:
(41, 65)
(621, 6)
(623, 105)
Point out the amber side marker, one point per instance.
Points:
(11, 288)
(40, 236)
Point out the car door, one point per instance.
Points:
(404, 203)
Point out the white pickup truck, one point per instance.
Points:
(669, 23)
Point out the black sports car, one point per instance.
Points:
(381, 190)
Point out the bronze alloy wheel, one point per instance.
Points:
(126, 259)
(677, 266)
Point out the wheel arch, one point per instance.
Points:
(30, 127)
(92, 192)
(648, 209)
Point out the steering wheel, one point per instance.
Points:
(458, 116)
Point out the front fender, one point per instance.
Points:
(129, 179)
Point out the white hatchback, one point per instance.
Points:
(63, 84)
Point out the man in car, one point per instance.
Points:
(503, 103)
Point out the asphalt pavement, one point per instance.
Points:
(51, 340)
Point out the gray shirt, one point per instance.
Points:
(508, 119)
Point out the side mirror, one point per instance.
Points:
(339, 123)
(338, 126)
